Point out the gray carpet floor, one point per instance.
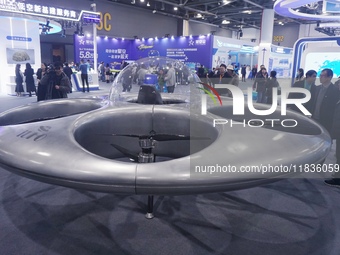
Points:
(289, 217)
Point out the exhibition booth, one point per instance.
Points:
(21, 26)
(194, 51)
(21, 44)
(207, 50)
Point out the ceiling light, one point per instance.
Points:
(142, 1)
(163, 7)
(154, 11)
(225, 21)
(198, 15)
(148, 4)
(175, 8)
(133, 1)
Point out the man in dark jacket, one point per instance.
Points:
(260, 85)
(222, 77)
(307, 83)
(56, 82)
(324, 100)
(68, 71)
(335, 134)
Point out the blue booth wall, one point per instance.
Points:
(192, 50)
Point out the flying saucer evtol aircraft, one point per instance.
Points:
(150, 142)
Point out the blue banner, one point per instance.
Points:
(193, 51)
(83, 48)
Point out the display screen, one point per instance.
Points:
(320, 60)
(20, 56)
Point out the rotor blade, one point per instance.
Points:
(163, 137)
(126, 135)
(126, 152)
(171, 137)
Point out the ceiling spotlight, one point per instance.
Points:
(148, 4)
(142, 1)
(154, 11)
(133, 1)
(226, 21)
(175, 8)
(198, 15)
(163, 7)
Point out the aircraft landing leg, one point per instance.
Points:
(149, 214)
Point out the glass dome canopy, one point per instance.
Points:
(148, 74)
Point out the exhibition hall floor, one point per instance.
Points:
(292, 216)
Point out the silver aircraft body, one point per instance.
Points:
(156, 142)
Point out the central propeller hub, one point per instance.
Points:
(147, 143)
(146, 157)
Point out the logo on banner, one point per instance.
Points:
(144, 47)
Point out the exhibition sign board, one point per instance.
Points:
(330, 7)
(193, 51)
(47, 10)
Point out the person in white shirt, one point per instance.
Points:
(170, 79)
(141, 74)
